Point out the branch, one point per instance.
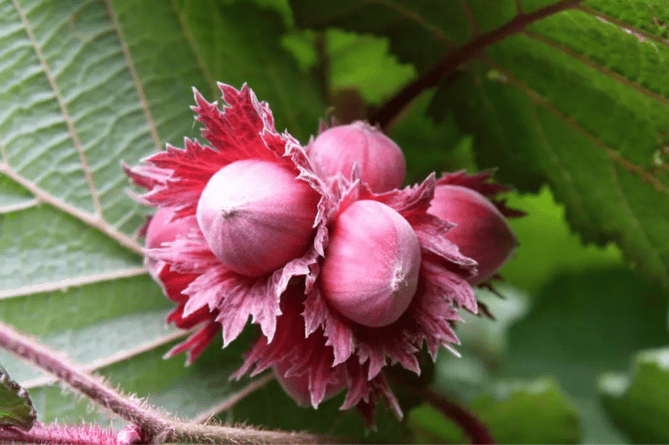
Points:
(154, 424)
(451, 60)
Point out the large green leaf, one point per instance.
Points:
(508, 412)
(638, 403)
(576, 99)
(84, 86)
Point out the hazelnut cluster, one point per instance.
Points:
(343, 270)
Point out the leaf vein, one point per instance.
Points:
(233, 399)
(153, 129)
(645, 175)
(639, 33)
(188, 33)
(599, 68)
(94, 221)
(62, 285)
(69, 122)
(414, 17)
(635, 221)
(20, 206)
(566, 176)
(489, 106)
(470, 18)
(112, 359)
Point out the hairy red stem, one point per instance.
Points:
(59, 435)
(152, 423)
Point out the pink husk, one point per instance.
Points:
(301, 332)
(401, 340)
(243, 130)
(299, 356)
(364, 351)
(365, 393)
(176, 177)
(233, 296)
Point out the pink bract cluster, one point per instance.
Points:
(343, 271)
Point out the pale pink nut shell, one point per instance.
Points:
(256, 216)
(380, 161)
(482, 232)
(162, 229)
(371, 267)
(297, 386)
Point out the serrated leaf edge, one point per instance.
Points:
(23, 394)
(615, 157)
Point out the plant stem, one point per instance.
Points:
(470, 424)
(322, 68)
(451, 60)
(154, 424)
(59, 435)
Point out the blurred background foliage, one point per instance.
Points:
(575, 353)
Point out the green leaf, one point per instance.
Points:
(350, 61)
(534, 411)
(637, 402)
(429, 147)
(86, 85)
(188, 391)
(218, 42)
(578, 103)
(576, 99)
(439, 25)
(547, 246)
(16, 409)
(583, 323)
(363, 63)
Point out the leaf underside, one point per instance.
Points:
(84, 86)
